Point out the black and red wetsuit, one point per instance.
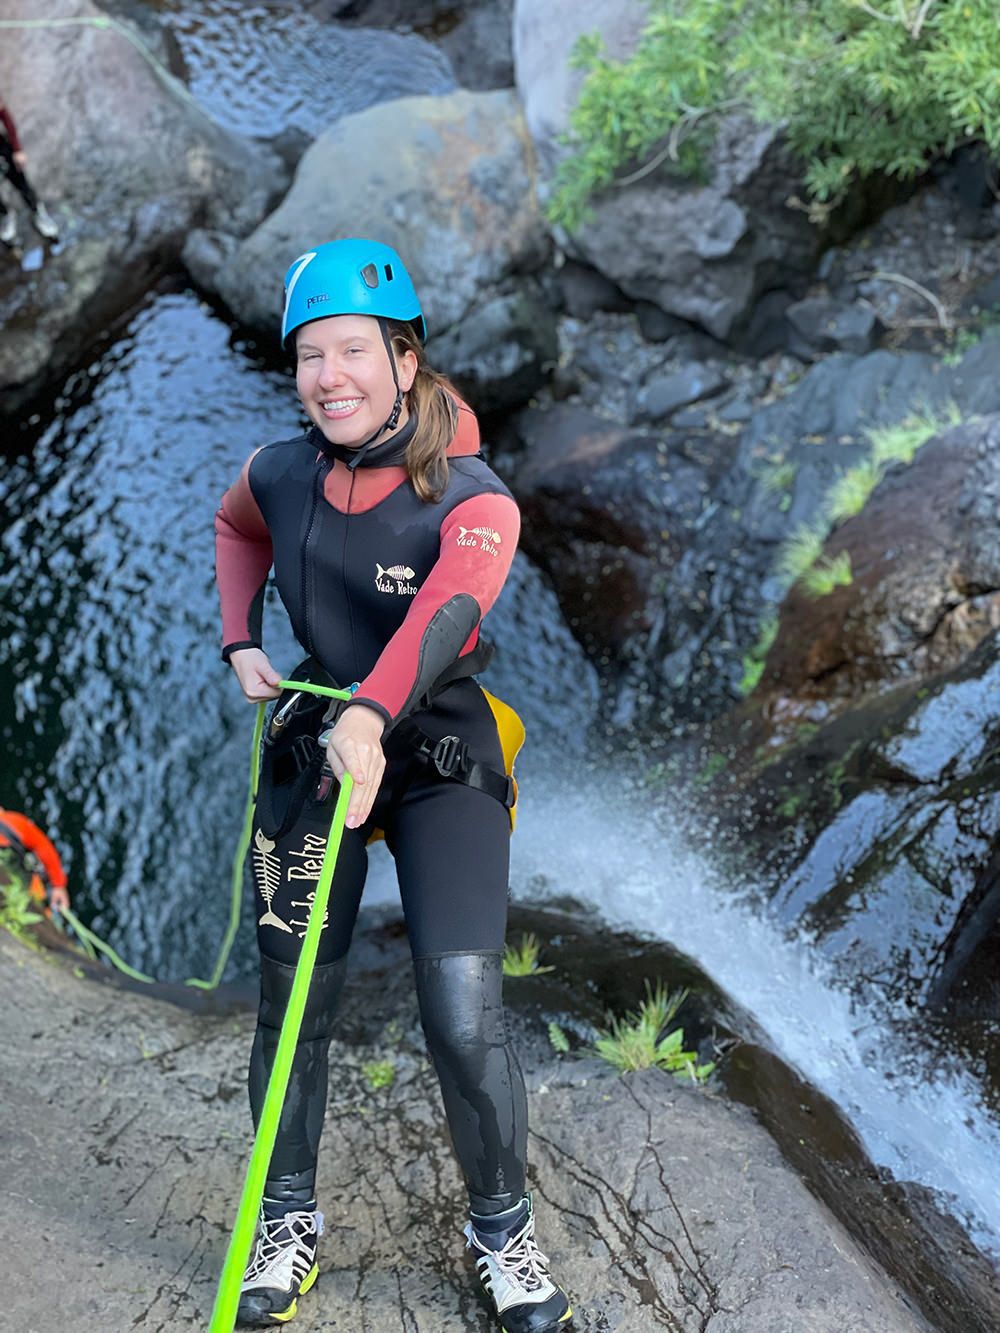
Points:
(9, 145)
(386, 590)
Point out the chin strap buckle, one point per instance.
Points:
(450, 756)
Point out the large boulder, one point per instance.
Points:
(606, 512)
(447, 181)
(924, 588)
(895, 807)
(127, 163)
(703, 251)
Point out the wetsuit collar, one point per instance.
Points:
(390, 453)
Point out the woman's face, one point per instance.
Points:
(344, 378)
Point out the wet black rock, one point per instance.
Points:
(606, 511)
(146, 167)
(662, 395)
(585, 291)
(822, 324)
(502, 352)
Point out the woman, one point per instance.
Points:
(13, 164)
(390, 540)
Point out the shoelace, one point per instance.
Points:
(298, 1226)
(522, 1260)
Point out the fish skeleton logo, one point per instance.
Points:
(399, 573)
(480, 539)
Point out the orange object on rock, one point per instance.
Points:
(18, 832)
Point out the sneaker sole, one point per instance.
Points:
(563, 1319)
(283, 1316)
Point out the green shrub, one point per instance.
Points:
(640, 1040)
(17, 907)
(885, 86)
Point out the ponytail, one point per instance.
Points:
(432, 400)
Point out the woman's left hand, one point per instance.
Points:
(355, 747)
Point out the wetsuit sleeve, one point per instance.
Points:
(478, 540)
(9, 126)
(243, 555)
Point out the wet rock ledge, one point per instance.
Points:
(125, 1142)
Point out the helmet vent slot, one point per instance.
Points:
(370, 275)
(388, 272)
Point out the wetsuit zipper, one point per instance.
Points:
(306, 550)
(343, 575)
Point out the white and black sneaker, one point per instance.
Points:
(45, 223)
(8, 229)
(282, 1268)
(516, 1279)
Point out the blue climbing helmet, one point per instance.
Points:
(350, 277)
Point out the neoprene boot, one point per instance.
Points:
(515, 1273)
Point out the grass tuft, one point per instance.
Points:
(802, 549)
(379, 1074)
(641, 1040)
(851, 491)
(827, 574)
(522, 961)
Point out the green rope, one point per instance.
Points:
(239, 860)
(228, 1295)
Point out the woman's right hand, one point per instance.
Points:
(257, 677)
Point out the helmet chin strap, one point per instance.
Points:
(392, 421)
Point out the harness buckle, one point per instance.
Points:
(450, 755)
(304, 753)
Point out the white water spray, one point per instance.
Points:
(588, 837)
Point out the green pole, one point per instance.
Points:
(228, 1295)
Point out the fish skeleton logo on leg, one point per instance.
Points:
(268, 869)
(480, 539)
(400, 574)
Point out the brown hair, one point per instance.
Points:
(432, 398)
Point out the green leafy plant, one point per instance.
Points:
(827, 574)
(17, 907)
(641, 1040)
(753, 661)
(860, 86)
(522, 960)
(710, 770)
(379, 1074)
(558, 1039)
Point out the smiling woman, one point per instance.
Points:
(390, 540)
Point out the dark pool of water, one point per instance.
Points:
(261, 69)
